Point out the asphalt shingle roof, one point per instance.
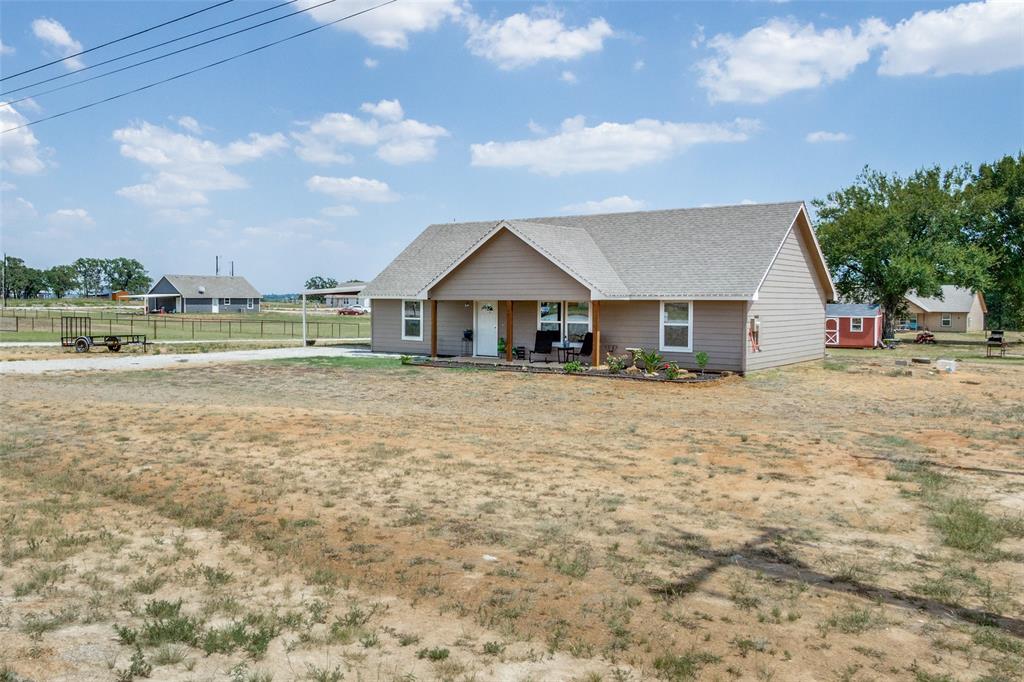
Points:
(721, 251)
(852, 309)
(213, 287)
(954, 300)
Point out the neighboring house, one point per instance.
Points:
(957, 310)
(349, 293)
(202, 294)
(853, 325)
(746, 284)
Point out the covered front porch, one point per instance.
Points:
(492, 329)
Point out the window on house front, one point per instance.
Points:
(577, 321)
(550, 316)
(947, 319)
(676, 326)
(412, 320)
(856, 324)
(248, 303)
(225, 301)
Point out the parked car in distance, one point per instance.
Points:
(353, 310)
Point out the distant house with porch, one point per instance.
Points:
(203, 294)
(746, 284)
(957, 310)
(853, 325)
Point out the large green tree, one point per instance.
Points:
(60, 279)
(886, 235)
(90, 274)
(20, 280)
(320, 282)
(998, 192)
(125, 273)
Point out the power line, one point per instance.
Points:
(161, 56)
(118, 40)
(146, 49)
(196, 70)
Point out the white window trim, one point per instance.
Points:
(946, 320)
(563, 321)
(859, 321)
(404, 318)
(248, 303)
(661, 328)
(225, 301)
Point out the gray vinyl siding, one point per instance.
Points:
(453, 317)
(506, 268)
(717, 328)
(198, 305)
(163, 287)
(791, 307)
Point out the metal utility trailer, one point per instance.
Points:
(76, 332)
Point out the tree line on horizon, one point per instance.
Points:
(85, 277)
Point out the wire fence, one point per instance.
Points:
(37, 324)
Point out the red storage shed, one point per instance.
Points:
(853, 325)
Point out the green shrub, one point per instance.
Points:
(435, 654)
(702, 360)
(964, 525)
(406, 359)
(678, 668)
(651, 360)
(672, 370)
(573, 367)
(615, 364)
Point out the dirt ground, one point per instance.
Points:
(336, 519)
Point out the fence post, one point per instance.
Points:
(193, 330)
(154, 328)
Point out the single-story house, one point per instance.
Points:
(853, 325)
(203, 294)
(349, 293)
(957, 310)
(746, 284)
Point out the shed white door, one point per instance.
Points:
(831, 331)
(485, 333)
(214, 305)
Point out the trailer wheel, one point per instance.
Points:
(82, 345)
(113, 345)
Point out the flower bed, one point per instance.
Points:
(631, 374)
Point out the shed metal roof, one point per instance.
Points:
(202, 286)
(852, 310)
(715, 252)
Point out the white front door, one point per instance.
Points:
(214, 305)
(485, 331)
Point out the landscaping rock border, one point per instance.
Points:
(708, 377)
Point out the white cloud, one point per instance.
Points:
(58, 41)
(71, 216)
(190, 124)
(185, 168)
(342, 211)
(371, 63)
(972, 38)
(617, 204)
(782, 56)
(639, 65)
(568, 77)
(388, 26)
(826, 136)
(7, 186)
(607, 146)
(536, 128)
(19, 149)
(354, 189)
(6, 50)
(398, 140)
(524, 39)
(17, 209)
(386, 109)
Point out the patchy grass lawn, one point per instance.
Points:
(329, 519)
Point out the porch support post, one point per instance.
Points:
(508, 330)
(433, 328)
(596, 359)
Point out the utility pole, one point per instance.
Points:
(216, 265)
(232, 268)
(5, 279)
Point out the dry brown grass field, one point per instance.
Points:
(361, 520)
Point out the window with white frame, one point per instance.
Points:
(947, 319)
(248, 303)
(570, 319)
(412, 320)
(225, 301)
(676, 327)
(856, 324)
(549, 316)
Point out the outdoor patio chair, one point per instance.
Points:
(542, 344)
(587, 349)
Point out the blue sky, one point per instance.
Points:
(328, 154)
